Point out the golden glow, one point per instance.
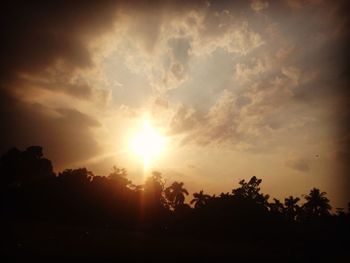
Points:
(148, 144)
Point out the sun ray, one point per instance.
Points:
(147, 144)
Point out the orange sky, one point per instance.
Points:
(237, 88)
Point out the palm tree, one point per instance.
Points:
(176, 194)
(317, 204)
(200, 199)
(291, 207)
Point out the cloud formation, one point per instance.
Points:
(257, 77)
(299, 164)
(43, 47)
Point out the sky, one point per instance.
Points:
(236, 88)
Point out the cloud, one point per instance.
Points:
(219, 125)
(292, 73)
(246, 73)
(47, 46)
(61, 81)
(36, 35)
(259, 5)
(221, 73)
(236, 37)
(299, 164)
(66, 134)
(184, 120)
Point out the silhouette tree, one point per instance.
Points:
(136, 188)
(251, 190)
(119, 177)
(176, 194)
(276, 207)
(76, 176)
(200, 199)
(154, 190)
(226, 195)
(291, 207)
(23, 167)
(317, 204)
(339, 211)
(81, 201)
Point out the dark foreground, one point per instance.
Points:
(42, 241)
(78, 216)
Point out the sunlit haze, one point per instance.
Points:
(205, 92)
(148, 144)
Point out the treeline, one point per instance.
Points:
(30, 190)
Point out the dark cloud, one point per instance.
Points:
(37, 34)
(63, 82)
(65, 134)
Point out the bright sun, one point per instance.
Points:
(148, 143)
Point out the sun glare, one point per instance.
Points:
(148, 144)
